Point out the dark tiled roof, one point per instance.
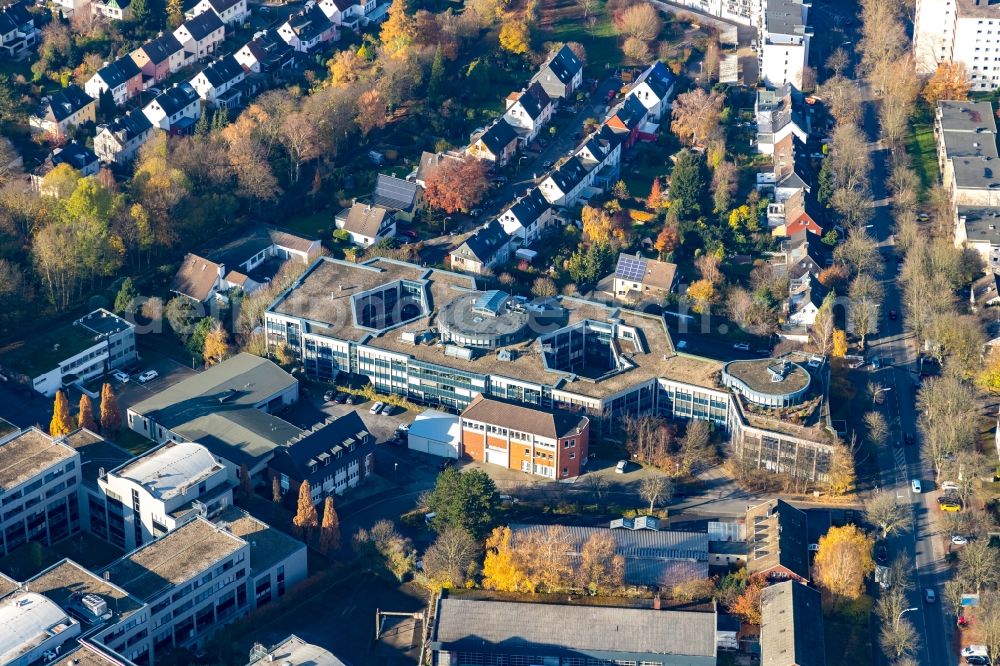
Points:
(534, 100)
(160, 49)
(485, 243)
(778, 534)
(202, 25)
(791, 632)
(658, 77)
(569, 174)
(13, 16)
(74, 154)
(222, 5)
(119, 71)
(530, 207)
(630, 112)
(338, 441)
(563, 64)
(222, 71)
(177, 97)
(196, 277)
(309, 23)
(269, 49)
(65, 102)
(498, 136)
(132, 124)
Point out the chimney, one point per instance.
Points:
(656, 602)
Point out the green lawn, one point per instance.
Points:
(316, 225)
(922, 149)
(133, 442)
(601, 41)
(847, 632)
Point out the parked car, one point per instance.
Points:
(949, 486)
(547, 164)
(893, 315)
(329, 396)
(403, 427)
(620, 467)
(340, 398)
(975, 651)
(876, 363)
(147, 376)
(959, 540)
(915, 486)
(977, 660)
(930, 596)
(742, 346)
(120, 375)
(352, 400)
(376, 408)
(950, 505)
(814, 548)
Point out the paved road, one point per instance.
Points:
(899, 464)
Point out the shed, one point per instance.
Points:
(436, 433)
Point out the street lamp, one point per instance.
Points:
(905, 610)
(881, 390)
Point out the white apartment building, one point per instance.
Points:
(167, 487)
(784, 42)
(39, 479)
(91, 346)
(965, 31)
(33, 629)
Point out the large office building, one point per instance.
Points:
(962, 31)
(429, 335)
(71, 354)
(39, 479)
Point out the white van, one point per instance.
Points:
(428, 517)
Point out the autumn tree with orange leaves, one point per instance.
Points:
(949, 81)
(667, 241)
(456, 185)
(747, 605)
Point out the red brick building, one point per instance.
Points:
(551, 444)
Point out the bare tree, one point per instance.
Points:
(891, 517)
(655, 488)
(877, 430)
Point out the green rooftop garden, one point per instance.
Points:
(42, 353)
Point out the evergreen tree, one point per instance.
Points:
(126, 296)
(246, 484)
(106, 104)
(436, 84)
(826, 185)
(329, 534)
(111, 415)
(203, 126)
(61, 423)
(85, 417)
(220, 119)
(141, 12)
(687, 185)
(196, 343)
(306, 517)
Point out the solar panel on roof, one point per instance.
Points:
(490, 301)
(631, 268)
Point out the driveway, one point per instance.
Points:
(170, 372)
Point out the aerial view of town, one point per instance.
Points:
(499, 333)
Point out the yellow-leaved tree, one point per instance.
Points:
(61, 423)
(398, 30)
(500, 569)
(306, 519)
(988, 378)
(515, 35)
(843, 561)
(839, 343)
(111, 414)
(85, 417)
(949, 81)
(702, 292)
(216, 345)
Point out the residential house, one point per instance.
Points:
(481, 630)
(566, 184)
(343, 12)
(654, 88)
(778, 536)
(64, 110)
(791, 628)
(68, 8)
(366, 224)
(429, 162)
(497, 144)
(985, 292)
(779, 115)
(122, 77)
(159, 58)
(627, 119)
(601, 154)
(219, 83)
(308, 30)
(804, 304)
(551, 444)
(113, 10)
(483, 251)
(978, 228)
(119, 140)
(17, 30)
(244, 432)
(528, 111)
(167, 487)
(799, 212)
(654, 558)
(527, 217)
(561, 74)
(77, 156)
(403, 198)
(175, 110)
(200, 36)
(266, 53)
(806, 255)
(230, 12)
(247, 262)
(91, 346)
(39, 476)
(638, 279)
(793, 170)
(333, 457)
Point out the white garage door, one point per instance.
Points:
(431, 446)
(497, 457)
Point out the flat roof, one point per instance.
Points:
(217, 408)
(268, 546)
(96, 453)
(28, 454)
(173, 559)
(27, 621)
(44, 352)
(7, 585)
(85, 654)
(966, 116)
(7, 428)
(558, 629)
(66, 581)
(294, 651)
(982, 223)
(977, 173)
(169, 470)
(969, 144)
(757, 375)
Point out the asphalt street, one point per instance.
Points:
(899, 464)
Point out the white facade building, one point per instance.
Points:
(965, 31)
(784, 42)
(168, 487)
